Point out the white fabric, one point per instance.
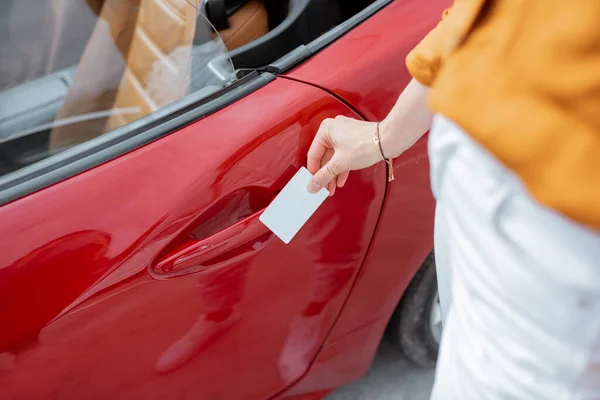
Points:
(524, 322)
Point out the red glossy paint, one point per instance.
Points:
(366, 68)
(114, 283)
(83, 318)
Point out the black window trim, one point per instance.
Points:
(303, 52)
(107, 147)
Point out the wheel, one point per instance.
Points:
(416, 326)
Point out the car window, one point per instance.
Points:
(74, 70)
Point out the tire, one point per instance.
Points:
(414, 327)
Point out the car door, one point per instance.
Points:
(133, 264)
(365, 67)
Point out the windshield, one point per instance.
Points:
(72, 70)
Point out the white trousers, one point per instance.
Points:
(519, 284)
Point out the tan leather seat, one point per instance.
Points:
(247, 24)
(137, 60)
(158, 60)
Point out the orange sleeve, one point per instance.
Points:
(425, 60)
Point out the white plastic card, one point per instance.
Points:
(293, 206)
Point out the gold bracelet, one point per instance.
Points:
(389, 161)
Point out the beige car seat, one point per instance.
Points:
(136, 61)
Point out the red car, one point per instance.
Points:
(138, 147)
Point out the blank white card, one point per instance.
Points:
(293, 206)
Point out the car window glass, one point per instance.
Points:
(73, 70)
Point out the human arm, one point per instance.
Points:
(345, 144)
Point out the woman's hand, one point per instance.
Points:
(340, 146)
(345, 144)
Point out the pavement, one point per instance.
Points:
(391, 377)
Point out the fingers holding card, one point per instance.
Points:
(293, 206)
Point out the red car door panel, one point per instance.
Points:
(366, 68)
(150, 277)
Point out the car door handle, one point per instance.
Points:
(235, 241)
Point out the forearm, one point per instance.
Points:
(407, 121)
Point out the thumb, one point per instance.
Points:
(326, 174)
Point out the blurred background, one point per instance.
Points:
(391, 376)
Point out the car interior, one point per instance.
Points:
(64, 99)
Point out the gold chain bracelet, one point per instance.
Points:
(389, 161)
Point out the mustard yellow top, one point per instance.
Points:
(522, 77)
